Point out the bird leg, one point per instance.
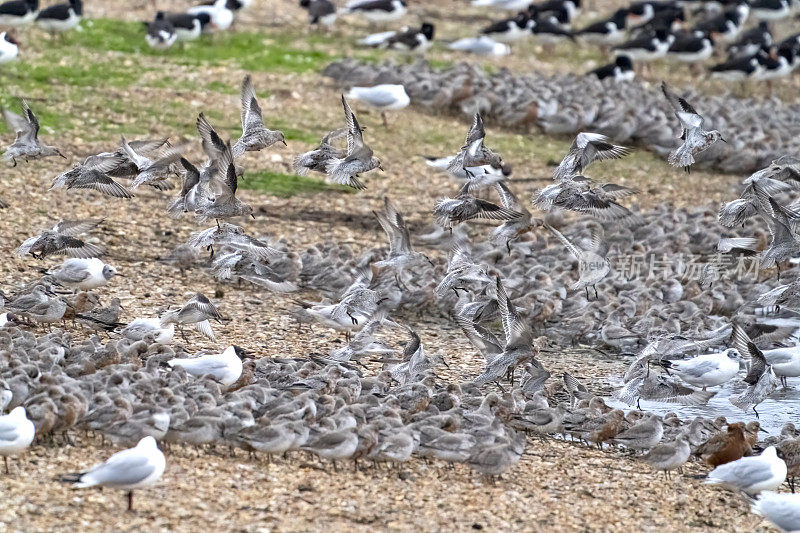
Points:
(5, 459)
(756, 412)
(383, 118)
(130, 501)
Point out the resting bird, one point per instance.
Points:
(225, 367)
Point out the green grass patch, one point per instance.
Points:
(248, 50)
(50, 120)
(286, 185)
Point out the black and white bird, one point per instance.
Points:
(770, 9)
(775, 64)
(17, 13)
(419, 39)
(160, 33)
(61, 17)
(606, 32)
(641, 12)
(320, 12)
(689, 48)
(559, 16)
(737, 69)
(725, 26)
(570, 7)
(219, 13)
(9, 48)
(238, 5)
(620, 70)
(547, 32)
(510, 5)
(509, 30)
(751, 41)
(378, 10)
(646, 49)
(188, 27)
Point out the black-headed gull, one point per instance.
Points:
(84, 274)
(225, 367)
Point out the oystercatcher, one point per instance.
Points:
(510, 30)
(61, 17)
(606, 33)
(18, 12)
(620, 70)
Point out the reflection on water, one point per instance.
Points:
(781, 407)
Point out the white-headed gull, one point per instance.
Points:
(16, 433)
(751, 474)
(130, 469)
(384, 97)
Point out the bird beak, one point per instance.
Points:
(120, 275)
(252, 215)
(763, 430)
(62, 155)
(723, 140)
(381, 168)
(284, 142)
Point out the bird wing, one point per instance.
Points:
(92, 179)
(355, 138)
(225, 181)
(480, 337)
(75, 247)
(207, 364)
(124, 468)
(688, 117)
(213, 145)
(138, 160)
(401, 240)
(591, 203)
(15, 122)
(76, 227)
(744, 472)
(696, 369)
(574, 250)
(599, 150)
(507, 198)
(71, 272)
(492, 211)
(33, 123)
(248, 98)
(103, 162)
(203, 304)
(476, 132)
(190, 178)
(26, 245)
(9, 430)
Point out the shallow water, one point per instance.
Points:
(781, 407)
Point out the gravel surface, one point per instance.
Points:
(557, 486)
